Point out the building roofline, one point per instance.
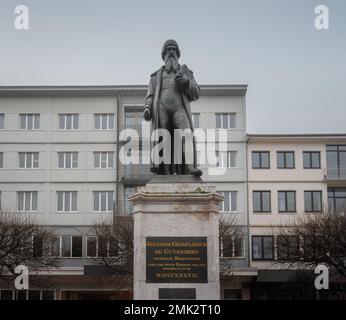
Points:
(109, 90)
(296, 137)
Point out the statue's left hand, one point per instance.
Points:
(181, 80)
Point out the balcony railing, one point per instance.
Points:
(335, 173)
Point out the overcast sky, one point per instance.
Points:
(296, 74)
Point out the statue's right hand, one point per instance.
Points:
(147, 114)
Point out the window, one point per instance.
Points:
(311, 160)
(225, 120)
(195, 120)
(2, 120)
(26, 294)
(285, 160)
(28, 160)
(103, 200)
(101, 247)
(313, 201)
(37, 246)
(260, 160)
(104, 159)
(262, 247)
(336, 161)
(30, 121)
(67, 200)
(232, 247)
(27, 200)
(71, 246)
(91, 246)
(104, 121)
(68, 160)
(226, 159)
(336, 199)
(288, 247)
(68, 121)
(0, 199)
(230, 201)
(261, 201)
(287, 201)
(1, 159)
(55, 247)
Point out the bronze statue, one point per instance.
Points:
(167, 105)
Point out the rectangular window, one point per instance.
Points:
(260, 160)
(71, 246)
(195, 120)
(2, 120)
(67, 201)
(69, 121)
(225, 120)
(67, 160)
(104, 121)
(30, 121)
(337, 199)
(104, 159)
(55, 247)
(313, 201)
(226, 159)
(28, 160)
(6, 295)
(27, 200)
(91, 246)
(37, 246)
(232, 247)
(312, 159)
(288, 247)
(77, 246)
(287, 201)
(103, 200)
(261, 201)
(1, 159)
(262, 247)
(285, 160)
(230, 201)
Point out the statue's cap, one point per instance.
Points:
(170, 42)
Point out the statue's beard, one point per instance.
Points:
(171, 63)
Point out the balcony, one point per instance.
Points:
(135, 173)
(335, 173)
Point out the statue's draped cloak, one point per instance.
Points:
(190, 93)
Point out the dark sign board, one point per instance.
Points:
(176, 260)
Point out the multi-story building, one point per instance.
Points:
(59, 163)
(289, 176)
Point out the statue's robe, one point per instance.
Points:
(189, 93)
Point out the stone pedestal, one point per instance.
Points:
(176, 227)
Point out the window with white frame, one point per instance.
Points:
(101, 247)
(232, 247)
(71, 246)
(225, 120)
(28, 160)
(29, 121)
(67, 160)
(27, 295)
(195, 120)
(1, 159)
(27, 200)
(103, 200)
(68, 121)
(104, 159)
(67, 201)
(2, 120)
(104, 121)
(226, 159)
(230, 201)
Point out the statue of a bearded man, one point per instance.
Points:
(167, 105)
